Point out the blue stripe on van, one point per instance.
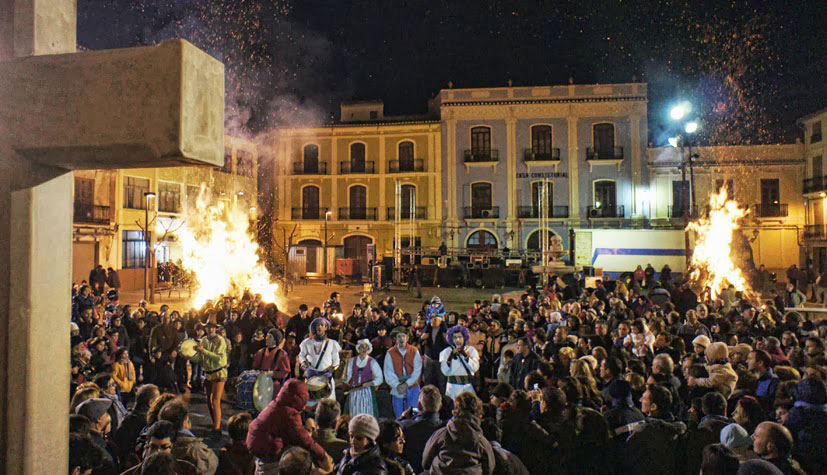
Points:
(636, 252)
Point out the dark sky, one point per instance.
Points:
(750, 68)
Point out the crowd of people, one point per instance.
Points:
(639, 375)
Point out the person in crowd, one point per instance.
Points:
(319, 354)
(506, 462)
(418, 425)
(161, 438)
(459, 362)
(807, 422)
(234, 458)
(327, 414)
(280, 426)
(273, 358)
(187, 446)
(123, 372)
(363, 375)
(722, 377)
(109, 390)
(364, 455)
(759, 363)
(460, 446)
(403, 372)
(126, 436)
(212, 354)
(652, 446)
(525, 361)
(391, 442)
(737, 439)
(97, 411)
(84, 455)
(774, 443)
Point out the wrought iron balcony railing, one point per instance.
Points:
(471, 212)
(605, 212)
(348, 167)
(474, 156)
(357, 213)
(608, 153)
(533, 212)
(420, 212)
(403, 166)
(308, 213)
(302, 168)
(550, 155)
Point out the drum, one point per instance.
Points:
(319, 387)
(245, 387)
(187, 348)
(263, 391)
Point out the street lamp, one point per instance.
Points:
(687, 127)
(147, 196)
(324, 257)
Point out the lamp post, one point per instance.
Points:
(324, 247)
(147, 196)
(688, 127)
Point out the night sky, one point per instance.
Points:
(750, 68)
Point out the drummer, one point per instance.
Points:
(273, 359)
(212, 354)
(363, 374)
(319, 355)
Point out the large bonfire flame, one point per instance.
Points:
(218, 248)
(712, 262)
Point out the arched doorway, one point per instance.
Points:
(311, 255)
(533, 242)
(481, 240)
(356, 247)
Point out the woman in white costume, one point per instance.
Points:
(364, 375)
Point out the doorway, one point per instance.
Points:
(356, 247)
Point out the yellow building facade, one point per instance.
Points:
(111, 209)
(365, 181)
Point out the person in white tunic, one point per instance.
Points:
(364, 375)
(319, 355)
(459, 362)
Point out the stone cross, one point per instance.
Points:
(61, 110)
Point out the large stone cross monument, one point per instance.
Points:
(61, 110)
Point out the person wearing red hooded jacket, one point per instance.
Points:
(279, 426)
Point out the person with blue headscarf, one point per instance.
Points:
(459, 362)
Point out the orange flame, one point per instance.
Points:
(219, 249)
(712, 265)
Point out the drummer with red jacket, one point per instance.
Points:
(279, 426)
(273, 359)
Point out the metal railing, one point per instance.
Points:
(471, 212)
(473, 156)
(533, 212)
(815, 231)
(92, 214)
(815, 184)
(300, 168)
(308, 213)
(551, 155)
(765, 210)
(605, 212)
(403, 166)
(357, 213)
(420, 212)
(608, 153)
(348, 167)
(680, 211)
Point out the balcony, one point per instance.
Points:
(472, 212)
(357, 214)
(552, 155)
(406, 166)
(680, 211)
(815, 231)
(770, 210)
(481, 156)
(608, 153)
(815, 184)
(420, 212)
(87, 213)
(301, 168)
(605, 212)
(533, 212)
(347, 167)
(307, 213)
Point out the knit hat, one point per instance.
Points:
(702, 340)
(436, 300)
(277, 334)
(733, 436)
(364, 425)
(811, 391)
(716, 352)
(93, 408)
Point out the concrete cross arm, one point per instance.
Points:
(126, 108)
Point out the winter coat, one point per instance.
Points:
(126, 437)
(417, 432)
(235, 459)
(652, 447)
(525, 439)
(125, 379)
(191, 449)
(280, 425)
(807, 422)
(722, 378)
(507, 463)
(369, 462)
(459, 448)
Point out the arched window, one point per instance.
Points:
(541, 141)
(481, 141)
(604, 141)
(358, 199)
(533, 243)
(310, 202)
(481, 240)
(311, 158)
(408, 200)
(357, 158)
(406, 156)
